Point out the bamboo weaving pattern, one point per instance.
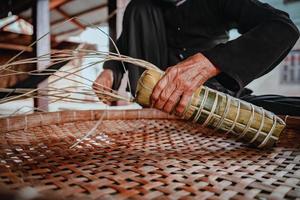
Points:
(141, 154)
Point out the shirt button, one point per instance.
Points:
(178, 28)
(181, 56)
(183, 49)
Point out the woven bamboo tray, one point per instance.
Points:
(140, 154)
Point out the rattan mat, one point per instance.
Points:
(141, 155)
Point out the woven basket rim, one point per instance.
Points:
(21, 122)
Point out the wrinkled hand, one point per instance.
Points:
(103, 82)
(180, 82)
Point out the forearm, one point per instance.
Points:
(117, 71)
(267, 36)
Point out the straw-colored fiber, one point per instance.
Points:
(247, 122)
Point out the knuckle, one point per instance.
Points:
(94, 86)
(184, 86)
(158, 87)
(163, 98)
(171, 102)
(188, 83)
(179, 91)
(154, 97)
(158, 105)
(168, 69)
(190, 90)
(181, 105)
(179, 110)
(167, 109)
(173, 70)
(178, 78)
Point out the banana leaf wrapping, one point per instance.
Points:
(245, 121)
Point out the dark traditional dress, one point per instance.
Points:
(165, 34)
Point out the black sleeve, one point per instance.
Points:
(122, 45)
(267, 36)
(116, 67)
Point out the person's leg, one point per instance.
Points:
(143, 37)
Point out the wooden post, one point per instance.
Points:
(112, 22)
(41, 24)
(121, 6)
(115, 23)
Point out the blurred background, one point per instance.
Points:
(71, 25)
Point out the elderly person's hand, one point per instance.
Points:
(180, 81)
(103, 82)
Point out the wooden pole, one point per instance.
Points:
(66, 16)
(41, 24)
(112, 22)
(121, 6)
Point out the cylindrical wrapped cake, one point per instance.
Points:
(249, 123)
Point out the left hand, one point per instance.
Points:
(180, 82)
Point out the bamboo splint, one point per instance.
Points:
(247, 122)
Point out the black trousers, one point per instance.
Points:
(144, 37)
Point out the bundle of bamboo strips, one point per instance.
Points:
(247, 122)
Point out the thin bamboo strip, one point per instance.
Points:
(247, 122)
(140, 63)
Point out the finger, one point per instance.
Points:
(162, 83)
(107, 86)
(107, 102)
(183, 102)
(96, 84)
(172, 101)
(97, 88)
(186, 97)
(104, 80)
(168, 69)
(104, 85)
(165, 95)
(101, 89)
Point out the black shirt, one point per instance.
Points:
(202, 26)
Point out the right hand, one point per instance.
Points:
(175, 89)
(103, 82)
